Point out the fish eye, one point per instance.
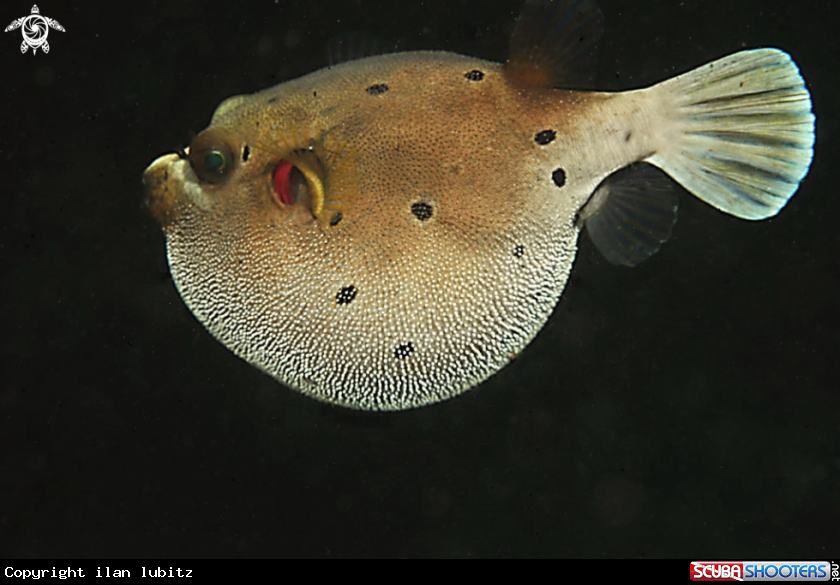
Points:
(211, 157)
(215, 161)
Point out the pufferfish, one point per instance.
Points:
(388, 232)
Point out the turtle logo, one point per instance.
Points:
(35, 28)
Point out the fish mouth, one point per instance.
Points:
(161, 188)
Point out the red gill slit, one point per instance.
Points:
(283, 182)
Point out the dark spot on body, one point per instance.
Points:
(422, 211)
(545, 137)
(246, 153)
(518, 250)
(377, 89)
(474, 75)
(272, 100)
(628, 136)
(314, 94)
(346, 295)
(404, 350)
(337, 217)
(559, 177)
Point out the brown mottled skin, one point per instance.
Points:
(264, 276)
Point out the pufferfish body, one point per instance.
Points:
(388, 232)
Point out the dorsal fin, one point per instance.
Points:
(555, 44)
(353, 45)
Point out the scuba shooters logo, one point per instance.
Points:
(764, 571)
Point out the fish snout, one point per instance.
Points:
(161, 189)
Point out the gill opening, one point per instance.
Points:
(298, 179)
(320, 161)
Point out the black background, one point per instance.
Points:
(688, 407)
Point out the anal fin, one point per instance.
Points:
(631, 214)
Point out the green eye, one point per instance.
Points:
(214, 161)
(211, 156)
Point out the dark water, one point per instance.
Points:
(688, 407)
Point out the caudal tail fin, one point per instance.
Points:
(739, 132)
